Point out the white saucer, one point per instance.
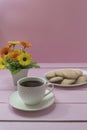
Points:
(16, 102)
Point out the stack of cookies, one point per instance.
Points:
(66, 76)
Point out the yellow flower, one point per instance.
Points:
(24, 59)
(13, 42)
(2, 65)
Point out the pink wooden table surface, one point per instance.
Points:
(68, 112)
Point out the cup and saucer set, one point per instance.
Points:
(33, 94)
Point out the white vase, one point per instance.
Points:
(19, 75)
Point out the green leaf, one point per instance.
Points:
(14, 66)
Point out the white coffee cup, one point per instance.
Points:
(33, 94)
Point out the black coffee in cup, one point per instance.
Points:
(31, 83)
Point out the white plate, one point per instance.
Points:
(16, 102)
(72, 85)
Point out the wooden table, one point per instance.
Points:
(69, 112)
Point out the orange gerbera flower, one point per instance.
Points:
(5, 50)
(25, 44)
(13, 55)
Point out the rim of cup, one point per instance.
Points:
(31, 78)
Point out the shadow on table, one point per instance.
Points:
(32, 114)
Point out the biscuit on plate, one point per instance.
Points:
(79, 72)
(55, 79)
(81, 79)
(68, 81)
(59, 73)
(70, 74)
(50, 75)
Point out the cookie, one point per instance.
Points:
(67, 81)
(59, 73)
(66, 76)
(55, 79)
(81, 79)
(50, 75)
(79, 72)
(70, 74)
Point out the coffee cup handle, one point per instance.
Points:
(52, 88)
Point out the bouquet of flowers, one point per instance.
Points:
(16, 59)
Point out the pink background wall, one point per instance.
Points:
(56, 28)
